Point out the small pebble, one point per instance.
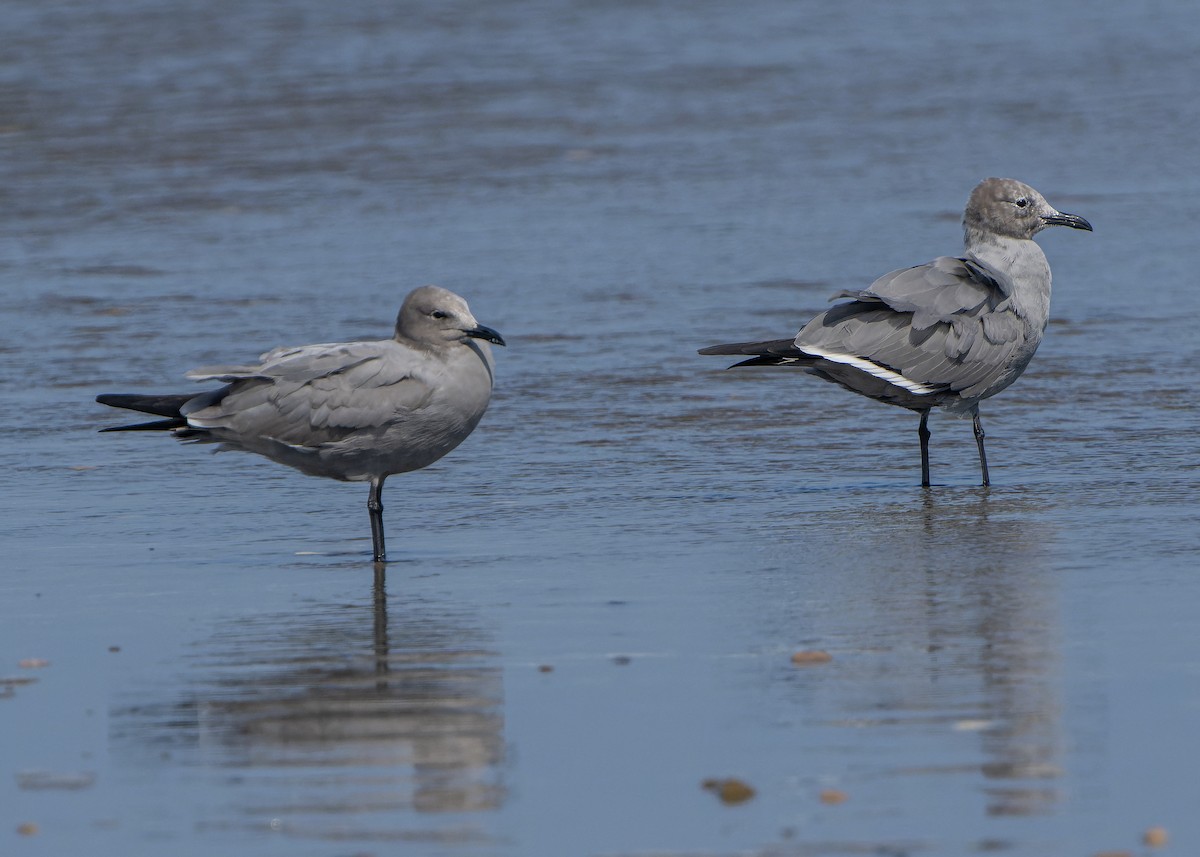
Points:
(1113, 854)
(1156, 837)
(813, 656)
(114, 648)
(834, 796)
(730, 791)
(973, 725)
(545, 668)
(33, 663)
(27, 829)
(622, 660)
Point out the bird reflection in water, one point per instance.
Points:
(955, 630)
(339, 733)
(992, 621)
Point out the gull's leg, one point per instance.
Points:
(923, 433)
(978, 426)
(375, 509)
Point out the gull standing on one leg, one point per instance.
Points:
(354, 411)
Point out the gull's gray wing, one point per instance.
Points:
(315, 394)
(943, 327)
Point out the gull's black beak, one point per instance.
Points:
(1061, 219)
(486, 333)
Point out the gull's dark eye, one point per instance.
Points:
(1022, 202)
(437, 313)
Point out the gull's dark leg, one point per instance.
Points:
(978, 426)
(923, 433)
(375, 509)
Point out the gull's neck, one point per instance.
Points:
(1019, 266)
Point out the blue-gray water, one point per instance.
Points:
(611, 185)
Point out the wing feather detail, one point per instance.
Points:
(943, 327)
(316, 394)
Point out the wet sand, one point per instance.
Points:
(596, 600)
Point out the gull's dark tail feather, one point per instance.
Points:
(775, 352)
(162, 406)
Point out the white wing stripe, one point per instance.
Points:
(881, 372)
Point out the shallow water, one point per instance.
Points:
(593, 602)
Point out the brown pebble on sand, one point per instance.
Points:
(114, 648)
(810, 657)
(730, 791)
(33, 663)
(1156, 837)
(834, 796)
(27, 829)
(545, 668)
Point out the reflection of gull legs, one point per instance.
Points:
(379, 605)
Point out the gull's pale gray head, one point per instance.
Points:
(435, 316)
(1013, 209)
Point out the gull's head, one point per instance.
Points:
(435, 316)
(1013, 209)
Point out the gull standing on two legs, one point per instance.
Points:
(946, 334)
(354, 411)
